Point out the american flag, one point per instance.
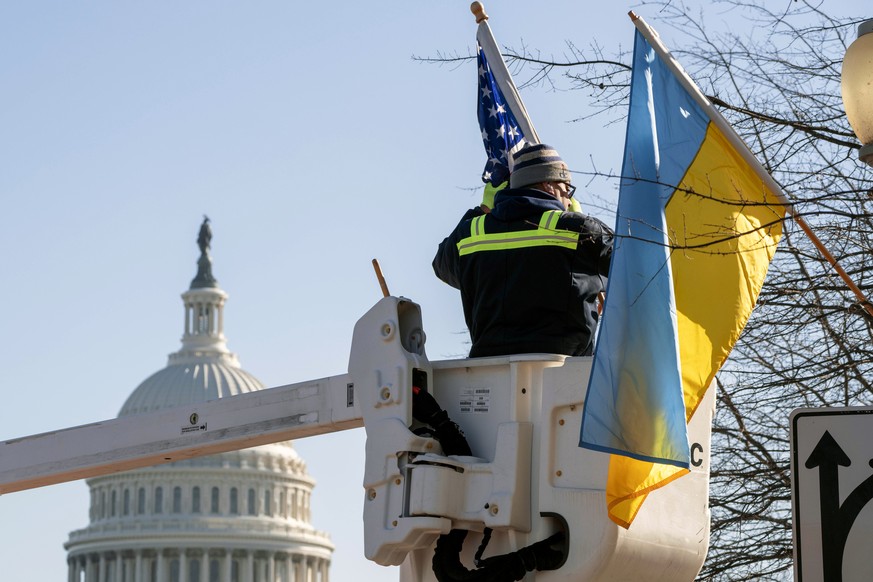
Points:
(501, 134)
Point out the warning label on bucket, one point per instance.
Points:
(475, 400)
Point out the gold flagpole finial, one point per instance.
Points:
(478, 11)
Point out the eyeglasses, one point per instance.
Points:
(571, 189)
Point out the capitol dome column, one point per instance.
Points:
(183, 566)
(226, 565)
(160, 564)
(250, 567)
(271, 567)
(300, 570)
(324, 570)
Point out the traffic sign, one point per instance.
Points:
(832, 485)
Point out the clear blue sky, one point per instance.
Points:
(314, 143)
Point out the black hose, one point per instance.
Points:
(427, 410)
(548, 554)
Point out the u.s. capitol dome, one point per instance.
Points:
(242, 516)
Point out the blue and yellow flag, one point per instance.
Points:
(696, 229)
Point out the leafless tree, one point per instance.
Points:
(774, 71)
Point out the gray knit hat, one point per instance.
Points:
(537, 163)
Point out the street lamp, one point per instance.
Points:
(857, 88)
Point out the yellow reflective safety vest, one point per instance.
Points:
(546, 234)
(529, 275)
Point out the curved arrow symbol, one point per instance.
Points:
(836, 519)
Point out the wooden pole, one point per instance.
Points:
(381, 279)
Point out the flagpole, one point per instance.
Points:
(740, 146)
(501, 73)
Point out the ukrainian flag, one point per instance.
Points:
(696, 228)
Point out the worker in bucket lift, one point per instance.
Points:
(531, 270)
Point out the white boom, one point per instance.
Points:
(237, 422)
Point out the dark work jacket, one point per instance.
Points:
(540, 299)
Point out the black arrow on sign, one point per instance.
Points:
(836, 519)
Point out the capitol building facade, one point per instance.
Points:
(241, 516)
